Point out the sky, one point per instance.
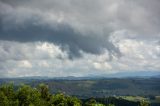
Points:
(59, 38)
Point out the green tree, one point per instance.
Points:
(59, 100)
(92, 102)
(62, 100)
(73, 101)
(8, 91)
(111, 105)
(7, 95)
(144, 103)
(44, 91)
(3, 99)
(28, 96)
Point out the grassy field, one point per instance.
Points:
(135, 98)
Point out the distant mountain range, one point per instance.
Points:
(85, 87)
(136, 74)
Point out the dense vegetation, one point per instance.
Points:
(88, 92)
(25, 95)
(99, 88)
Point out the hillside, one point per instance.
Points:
(85, 88)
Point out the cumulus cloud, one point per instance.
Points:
(99, 37)
(20, 23)
(46, 59)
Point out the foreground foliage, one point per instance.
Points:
(25, 95)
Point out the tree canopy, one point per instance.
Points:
(25, 95)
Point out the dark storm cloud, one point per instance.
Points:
(75, 25)
(40, 37)
(61, 34)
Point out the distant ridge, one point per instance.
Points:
(134, 74)
(140, 74)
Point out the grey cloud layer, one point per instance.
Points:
(64, 36)
(40, 59)
(41, 35)
(15, 26)
(138, 16)
(78, 25)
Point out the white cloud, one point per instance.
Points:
(24, 64)
(47, 59)
(131, 26)
(102, 66)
